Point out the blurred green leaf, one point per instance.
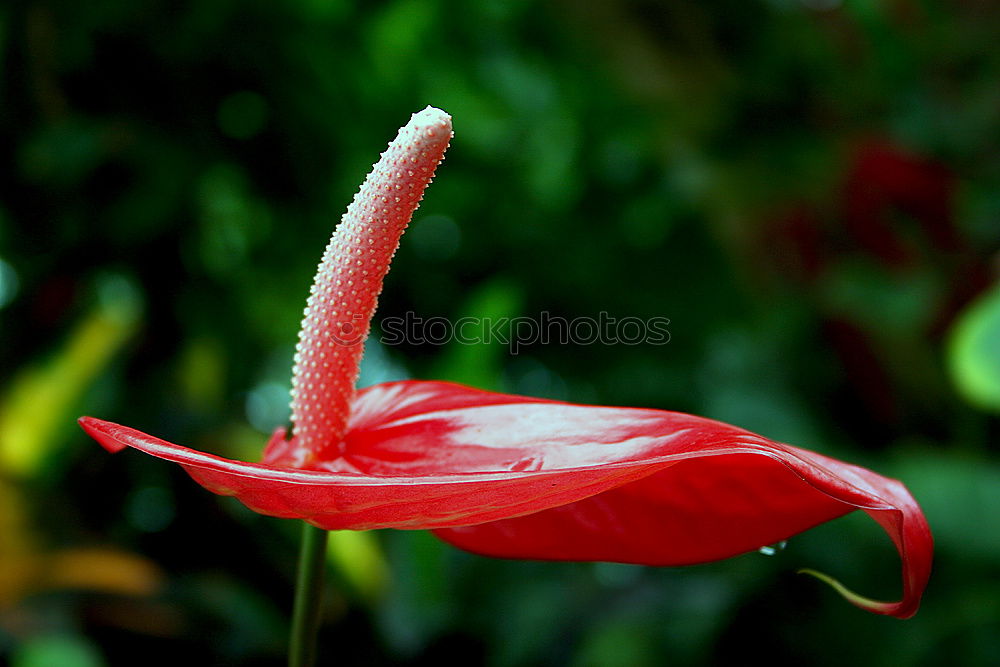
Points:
(974, 352)
(63, 153)
(893, 303)
(241, 621)
(476, 356)
(618, 645)
(57, 651)
(419, 605)
(961, 498)
(8, 283)
(398, 32)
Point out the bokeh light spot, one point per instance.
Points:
(267, 406)
(150, 509)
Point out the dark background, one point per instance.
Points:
(808, 190)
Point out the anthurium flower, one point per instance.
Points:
(514, 476)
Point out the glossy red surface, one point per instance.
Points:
(519, 477)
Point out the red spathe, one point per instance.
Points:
(519, 477)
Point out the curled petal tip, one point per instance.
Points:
(904, 609)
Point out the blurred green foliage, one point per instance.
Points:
(807, 189)
(974, 354)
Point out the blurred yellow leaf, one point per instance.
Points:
(359, 558)
(17, 547)
(26, 569)
(201, 372)
(38, 402)
(99, 569)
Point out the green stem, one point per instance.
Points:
(308, 595)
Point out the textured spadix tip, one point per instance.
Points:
(431, 125)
